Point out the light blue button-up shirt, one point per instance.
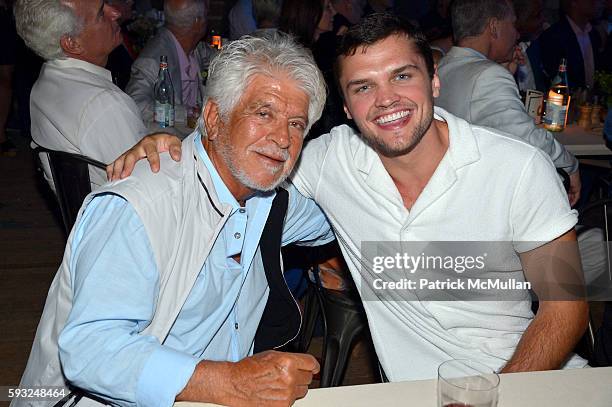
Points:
(116, 283)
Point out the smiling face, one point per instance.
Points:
(258, 145)
(389, 94)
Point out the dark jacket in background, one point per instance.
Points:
(559, 41)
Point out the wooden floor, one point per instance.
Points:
(31, 248)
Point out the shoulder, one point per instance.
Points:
(559, 29)
(497, 143)
(206, 52)
(160, 44)
(151, 188)
(468, 66)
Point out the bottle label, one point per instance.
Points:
(555, 114)
(164, 114)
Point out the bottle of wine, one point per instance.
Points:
(558, 101)
(164, 95)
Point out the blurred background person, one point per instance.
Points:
(267, 13)
(436, 26)
(188, 58)
(307, 19)
(311, 22)
(241, 19)
(530, 24)
(348, 13)
(573, 38)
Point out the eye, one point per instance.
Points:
(362, 89)
(263, 114)
(403, 76)
(298, 125)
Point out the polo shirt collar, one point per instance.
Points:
(84, 65)
(465, 52)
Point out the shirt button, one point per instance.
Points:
(241, 210)
(236, 325)
(237, 235)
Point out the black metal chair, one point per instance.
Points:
(599, 214)
(344, 321)
(70, 174)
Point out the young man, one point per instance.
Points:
(419, 174)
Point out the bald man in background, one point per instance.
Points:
(188, 58)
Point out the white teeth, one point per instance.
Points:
(394, 116)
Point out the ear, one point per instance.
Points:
(71, 45)
(435, 85)
(348, 114)
(212, 120)
(493, 28)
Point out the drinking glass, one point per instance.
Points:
(467, 383)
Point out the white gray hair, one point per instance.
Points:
(43, 23)
(185, 17)
(232, 70)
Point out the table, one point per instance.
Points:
(590, 387)
(584, 143)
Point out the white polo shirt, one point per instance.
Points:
(488, 187)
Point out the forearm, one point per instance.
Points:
(550, 337)
(207, 383)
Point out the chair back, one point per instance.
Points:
(70, 174)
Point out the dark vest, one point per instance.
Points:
(281, 319)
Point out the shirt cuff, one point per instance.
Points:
(165, 375)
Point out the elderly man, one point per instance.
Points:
(419, 174)
(188, 60)
(75, 106)
(483, 92)
(170, 283)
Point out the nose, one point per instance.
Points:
(386, 96)
(280, 135)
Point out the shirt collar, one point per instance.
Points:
(224, 194)
(577, 30)
(473, 52)
(80, 64)
(185, 61)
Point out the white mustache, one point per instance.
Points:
(276, 153)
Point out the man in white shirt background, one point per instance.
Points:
(75, 107)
